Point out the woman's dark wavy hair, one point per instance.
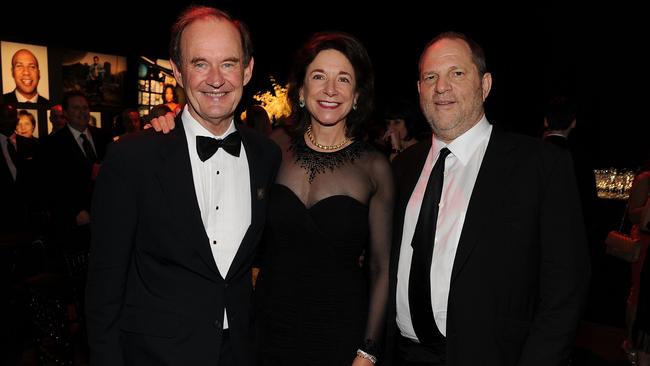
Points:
(358, 57)
(174, 92)
(196, 12)
(404, 110)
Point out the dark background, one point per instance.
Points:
(590, 53)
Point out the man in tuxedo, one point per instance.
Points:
(26, 74)
(493, 269)
(177, 217)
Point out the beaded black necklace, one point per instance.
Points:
(315, 162)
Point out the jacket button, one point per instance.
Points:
(226, 285)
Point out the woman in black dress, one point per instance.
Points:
(317, 304)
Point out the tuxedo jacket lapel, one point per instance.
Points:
(175, 174)
(488, 192)
(177, 183)
(258, 195)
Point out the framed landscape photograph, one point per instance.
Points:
(99, 75)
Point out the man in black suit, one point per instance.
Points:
(177, 217)
(57, 120)
(560, 123)
(10, 214)
(8, 165)
(505, 282)
(26, 74)
(17, 177)
(13, 233)
(72, 157)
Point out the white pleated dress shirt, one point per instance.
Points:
(222, 185)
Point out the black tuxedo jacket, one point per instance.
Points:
(520, 274)
(154, 293)
(11, 98)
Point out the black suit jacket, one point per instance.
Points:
(11, 213)
(70, 175)
(586, 180)
(520, 274)
(11, 98)
(154, 294)
(18, 195)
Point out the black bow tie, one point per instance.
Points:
(207, 146)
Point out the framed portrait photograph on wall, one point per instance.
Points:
(99, 75)
(27, 125)
(24, 73)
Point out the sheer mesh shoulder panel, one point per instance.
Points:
(381, 225)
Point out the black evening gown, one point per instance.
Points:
(317, 302)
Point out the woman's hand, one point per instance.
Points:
(360, 361)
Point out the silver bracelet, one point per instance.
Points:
(367, 356)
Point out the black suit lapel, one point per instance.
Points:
(72, 145)
(486, 197)
(10, 97)
(177, 182)
(100, 142)
(407, 170)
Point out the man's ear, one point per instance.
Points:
(248, 71)
(177, 73)
(486, 85)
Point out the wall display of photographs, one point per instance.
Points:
(153, 79)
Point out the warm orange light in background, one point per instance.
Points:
(274, 102)
(614, 183)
